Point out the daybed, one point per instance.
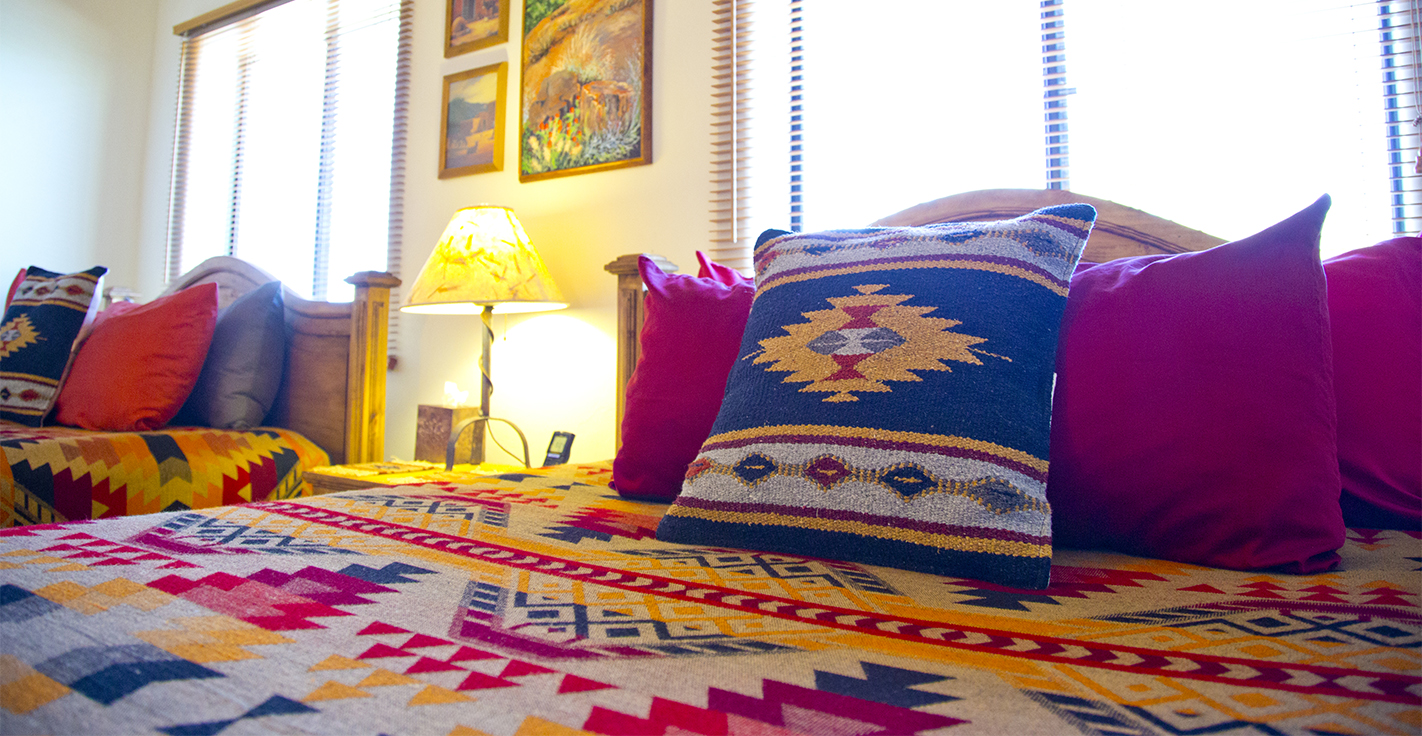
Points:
(542, 601)
(329, 408)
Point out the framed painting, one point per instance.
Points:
(585, 96)
(471, 131)
(474, 24)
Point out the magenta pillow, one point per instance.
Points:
(710, 269)
(1375, 305)
(690, 337)
(1193, 418)
(138, 366)
(14, 287)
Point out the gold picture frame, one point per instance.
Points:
(585, 88)
(471, 130)
(474, 24)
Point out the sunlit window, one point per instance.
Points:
(286, 143)
(1223, 115)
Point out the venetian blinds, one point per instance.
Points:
(1054, 93)
(289, 148)
(1400, 25)
(921, 100)
(730, 137)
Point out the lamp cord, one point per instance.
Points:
(507, 451)
(458, 430)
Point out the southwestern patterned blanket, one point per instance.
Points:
(54, 474)
(541, 602)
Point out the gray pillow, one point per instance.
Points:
(243, 369)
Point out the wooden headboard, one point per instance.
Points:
(333, 388)
(1120, 231)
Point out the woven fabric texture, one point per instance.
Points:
(538, 603)
(65, 474)
(892, 399)
(39, 328)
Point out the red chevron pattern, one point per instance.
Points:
(539, 602)
(1303, 678)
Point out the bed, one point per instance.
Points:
(540, 601)
(329, 409)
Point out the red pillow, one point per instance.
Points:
(137, 368)
(690, 338)
(1193, 417)
(14, 287)
(1375, 305)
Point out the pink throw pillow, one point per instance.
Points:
(690, 338)
(139, 364)
(710, 269)
(1375, 305)
(14, 287)
(1194, 417)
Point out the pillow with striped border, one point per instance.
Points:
(891, 402)
(37, 334)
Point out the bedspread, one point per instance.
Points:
(64, 474)
(540, 602)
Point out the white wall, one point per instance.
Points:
(552, 371)
(75, 90)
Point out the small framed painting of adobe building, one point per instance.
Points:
(472, 128)
(474, 24)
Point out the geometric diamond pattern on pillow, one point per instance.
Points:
(891, 402)
(36, 334)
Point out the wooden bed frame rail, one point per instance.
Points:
(333, 388)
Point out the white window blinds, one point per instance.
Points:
(1222, 126)
(289, 149)
(730, 133)
(1400, 25)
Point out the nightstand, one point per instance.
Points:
(333, 478)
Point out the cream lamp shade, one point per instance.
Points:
(483, 259)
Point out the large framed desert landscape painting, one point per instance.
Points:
(585, 96)
(474, 24)
(471, 139)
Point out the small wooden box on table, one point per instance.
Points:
(433, 427)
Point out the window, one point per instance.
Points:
(290, 140)
(1224, 118)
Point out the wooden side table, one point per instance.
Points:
(333, 478)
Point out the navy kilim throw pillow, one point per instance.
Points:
(891, 403)
(36, 335)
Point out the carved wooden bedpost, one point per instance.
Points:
(630, 314)
(365, 375)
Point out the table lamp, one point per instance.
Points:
(483, 263)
